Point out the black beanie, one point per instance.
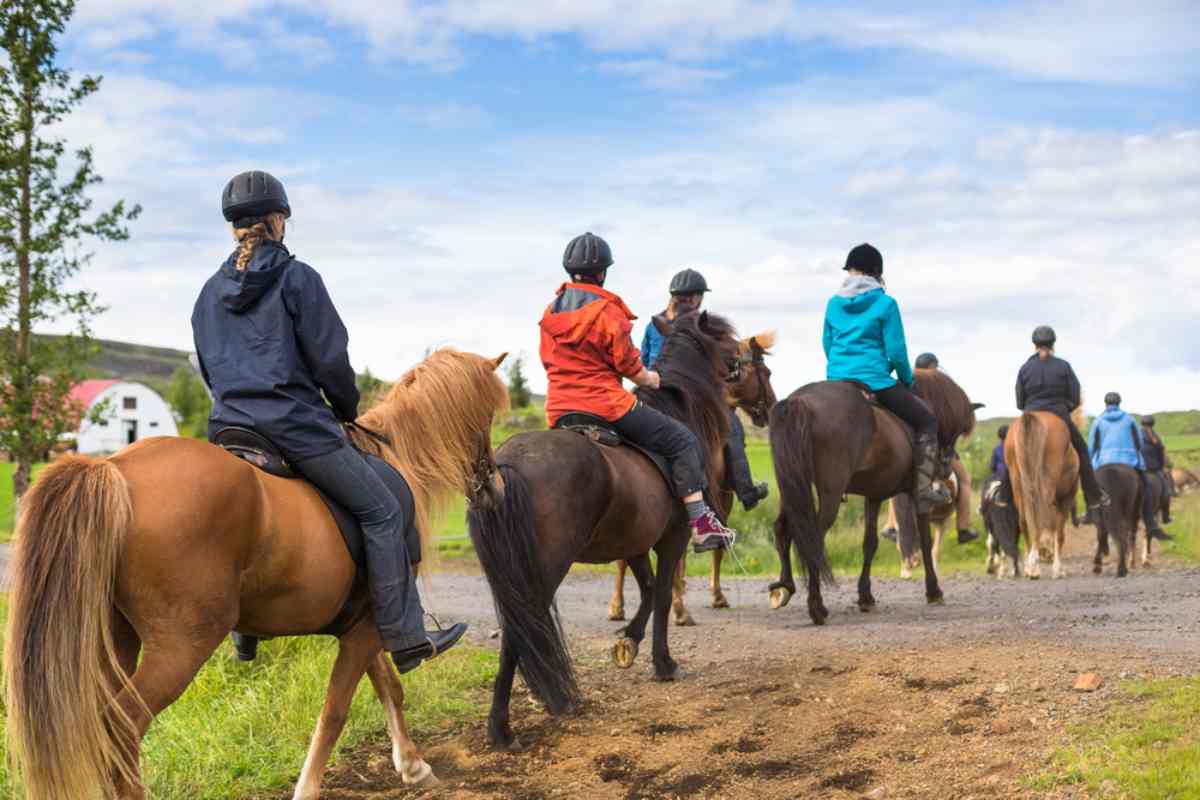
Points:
(866, 259)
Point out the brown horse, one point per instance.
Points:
(561, 499)
(828, 436)
(1044, 471)
(167, 546)
(749, 388)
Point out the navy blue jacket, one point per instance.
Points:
(1047, 385)
(998, 466)
(270, 342)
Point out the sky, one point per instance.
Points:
(1017, 164)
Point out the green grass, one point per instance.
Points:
(1146, 746)
(244, 728)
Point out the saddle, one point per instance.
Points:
(602, 432)
(256, 449)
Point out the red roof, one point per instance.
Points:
(87, 391)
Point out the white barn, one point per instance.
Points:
(134, 412)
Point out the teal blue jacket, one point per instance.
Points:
(864, 337)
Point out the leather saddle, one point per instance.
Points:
(602, 432)
(256, 449)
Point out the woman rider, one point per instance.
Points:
(270, 343)
(1115, 439)
(687, 294)
(1047, 383)
(864, 342)
(587, 349)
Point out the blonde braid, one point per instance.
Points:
(250, 238)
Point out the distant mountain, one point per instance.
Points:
(142, 363)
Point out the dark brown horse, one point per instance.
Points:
(829, 437)
(749, 385)
(559, 499)
(1119, 520)
(129, 571)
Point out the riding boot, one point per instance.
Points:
(1149, 512)
(929, 491)
(1093, 495)
(737, 465)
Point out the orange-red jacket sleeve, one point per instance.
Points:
(626, 357)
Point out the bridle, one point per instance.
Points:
(755, 360)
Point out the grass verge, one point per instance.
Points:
(1146, 745)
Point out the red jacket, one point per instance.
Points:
(586, 350)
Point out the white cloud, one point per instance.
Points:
(656, 73)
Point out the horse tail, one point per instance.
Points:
(67, 734)
(507, 546)
(1037, 494)
(792, 452)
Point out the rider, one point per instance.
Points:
(864, 342)
(999, 467)
(1114, 439)
(270, 344)
(1155, 454)
(962, 512)
(1047, 383)
(687, 294)
(586, 350)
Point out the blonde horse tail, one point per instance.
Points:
(1031, 459)
(67, 737)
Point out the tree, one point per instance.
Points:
(190, 402)
(518, 388)
(45, 221)
(370, 388)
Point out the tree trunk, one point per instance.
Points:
(22, 477)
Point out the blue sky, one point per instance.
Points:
(1016, 164)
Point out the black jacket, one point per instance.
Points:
(270, 342)
(1048, 385)
(1153, 451)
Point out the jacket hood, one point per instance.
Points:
(240, 290)
(858, 293)
(1114, 414)
(571, 326)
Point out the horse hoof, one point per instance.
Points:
(423, 779)
(674, 675)
(685, 621)
(719, 601)
(1096, 569)
(624, 652)
(936, 600)
(616, 616)
(866, 605)
(780, 597)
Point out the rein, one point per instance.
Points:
(735, 375)
(376, 435)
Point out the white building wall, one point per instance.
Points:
(122, 425)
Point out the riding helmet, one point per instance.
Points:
(250, 196)
(688, 281)
(926, 361)
(866, 259)
(1003, 432)
(1112, 399)
(1044, 336)
(1148, 420)
(587, 255)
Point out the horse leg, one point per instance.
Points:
(405, 757)
(718, 596)
(866, 601)
(683, 617)
(626, 649)
(933, 592)
(1123, 552)
(828, 504)
(669, 549)
(616, 606)
(782, 590)
(1098, 561)
(1060, 541)
(356, 649)
(500, 733)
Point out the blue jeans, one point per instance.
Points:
(350, 481)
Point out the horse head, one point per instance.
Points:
(750, 378)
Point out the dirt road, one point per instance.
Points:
(962, 700)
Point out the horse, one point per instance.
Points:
(1003, 526)
(940, 517)
(828, 435)
(1185, 480)
(165, 547)
(749, 384)
(1044, 470)
(1118, 521)
(555, 498)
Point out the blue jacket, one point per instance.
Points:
(270, 343)
(652, 343)
(1114, 439)
(864, 337)
(998, 467)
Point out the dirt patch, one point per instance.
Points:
(852, 781)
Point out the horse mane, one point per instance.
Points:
(434, 418)
(948, 402)
(692, 366)
(764, 340)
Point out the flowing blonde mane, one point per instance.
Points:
(437, 418)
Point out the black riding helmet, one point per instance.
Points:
(1044, 336)
(1148, 420)
(866, 259)
(587, 255)
(250, 196)
(926, 361)
(1112, 399)
(1002, 433)
(688, 281)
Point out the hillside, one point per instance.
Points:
(135, 362)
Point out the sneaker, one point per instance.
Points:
(966, 535)
(754, 495)
(436, 643)
(709, 533)
(1158, 533)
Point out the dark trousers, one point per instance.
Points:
(655, 431)
(737, 465)
(346, 477)
(901, 401)
(1149, 507)
(1087, 473)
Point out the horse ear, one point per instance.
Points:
(498, 360)
(977, 406)
(755, 347)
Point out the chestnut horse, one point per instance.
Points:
(827, 436)
(749, 385)
(558, 498)
(1044, 471)
(170, 544)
